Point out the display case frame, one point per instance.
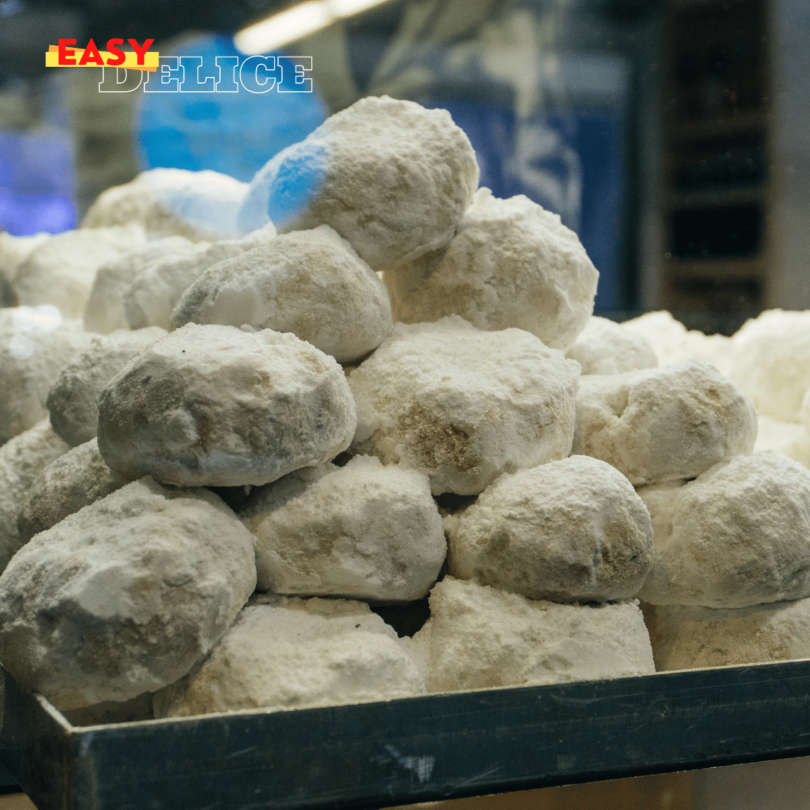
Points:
(377, 755)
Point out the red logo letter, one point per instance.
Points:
(112, 47)
(141, 50)
(65, 53)
(91, 54)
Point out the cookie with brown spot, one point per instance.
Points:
(464, 405)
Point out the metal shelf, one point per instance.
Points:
(420, 749)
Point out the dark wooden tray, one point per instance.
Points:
(441, 746)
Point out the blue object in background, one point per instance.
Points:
(36, 182)
(536, 162)
(570, 159)
(570, 162)
(234, 133)
(598, 139)
(282, 189)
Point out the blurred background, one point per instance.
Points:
(670, 134)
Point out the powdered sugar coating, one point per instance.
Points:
(310, 283)
(783, 437)
(21, 461)
(151, 297)
(33, 351)
(217, 406)
(511, 264)
(104, 312)
(692, 637)
(567, 531)
(61, 271)
(663, 424)
(462, 405)
(804, 413)
(738, 535)
(14, 249)
(362, 531)
(390, 176)
(296, 653)
(205, 208)
(69, 483)
(481, 637)
(129, 202)
(772, 362)
(199, 205)
(674, 344)
(607, 347)
(73, 398)
(86, 615)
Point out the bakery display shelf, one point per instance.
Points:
(376, 755)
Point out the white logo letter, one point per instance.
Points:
(108, 84)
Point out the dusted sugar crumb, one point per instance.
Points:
(148, 296)
(310, 283)
(663, 424)
(736, 536)
(481, 637)
(125, 599)
(87, 615)
(361, 531)
(694, 637)
(511, 264)
(218, 406)
(295, 653)
(462, 405)
(391, 177)
(567, 531)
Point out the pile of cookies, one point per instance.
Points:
(293, 408)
